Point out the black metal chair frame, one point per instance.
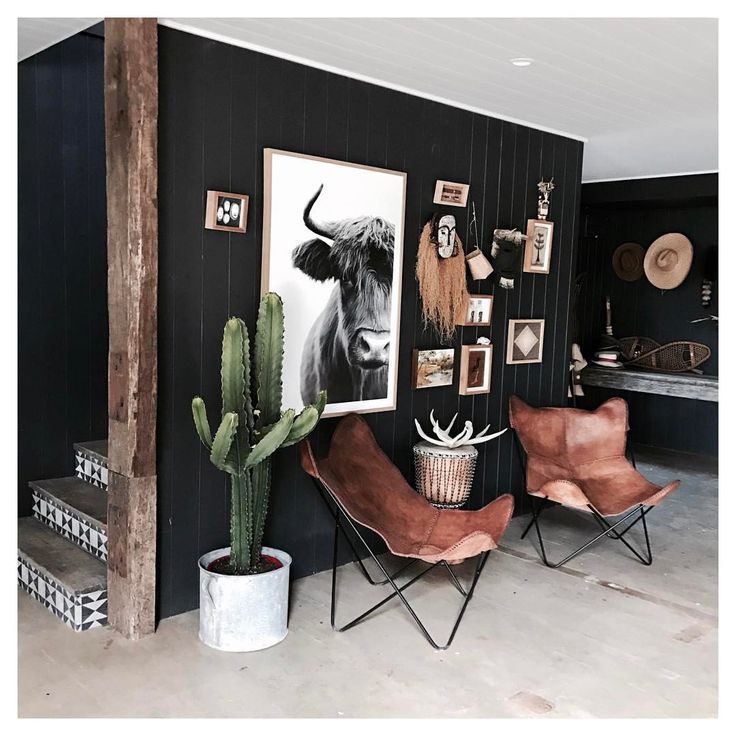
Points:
(339, 512)
(638, 514)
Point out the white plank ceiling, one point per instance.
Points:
(642, 91)
(36, 34)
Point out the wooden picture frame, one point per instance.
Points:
(216, 220)
(476, 364)
(538, 247)
(451, 193)
(525, 341)
(340, 190)
(473, 310)
(420, 377)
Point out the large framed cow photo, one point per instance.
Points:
(333, 250)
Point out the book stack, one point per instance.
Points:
(608, 358)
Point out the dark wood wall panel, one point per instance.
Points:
(220, 107)
(640, 211)
(62, 258)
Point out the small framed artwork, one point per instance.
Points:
(226, 211)
(538, 251)
(475, 369)
(478, 310)
(451, 193)
(433, 368)
(525, 341)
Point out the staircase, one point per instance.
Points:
(62, 548)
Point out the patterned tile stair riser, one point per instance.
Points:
(89, 536)
(81, 611)
(90, 467)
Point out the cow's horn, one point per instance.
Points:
(326, 229)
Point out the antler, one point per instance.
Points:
(464, 437)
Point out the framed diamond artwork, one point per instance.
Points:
(525, 341)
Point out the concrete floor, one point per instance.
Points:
(603, 637)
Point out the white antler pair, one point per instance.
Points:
(464, 437)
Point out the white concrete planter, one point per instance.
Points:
(243, 613)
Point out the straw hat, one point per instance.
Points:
(628, 261)
(668, 260)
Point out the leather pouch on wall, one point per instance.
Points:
(479, 266)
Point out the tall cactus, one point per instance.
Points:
(249, 434)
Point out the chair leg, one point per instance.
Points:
(453, 578)
(608, 528)
(398, 591)
(536, 513)
(603, 523)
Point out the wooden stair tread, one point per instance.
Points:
(93, 447)
(76, 495)
(60, 559)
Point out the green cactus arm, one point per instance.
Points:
(223, 440)
(261, 484)
(269, 357)
(199, 412)
(306, 421)
(321, 401)
(272, 441)
(232, 372)
(247, 396)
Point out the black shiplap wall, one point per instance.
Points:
(640, 211)
(62, 258)
(220, 107)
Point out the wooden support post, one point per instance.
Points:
(131, 121)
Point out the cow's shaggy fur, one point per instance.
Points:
(361, 260)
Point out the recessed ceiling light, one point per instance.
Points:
(522, 61)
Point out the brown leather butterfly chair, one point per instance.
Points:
(365, 489)
(578, 459)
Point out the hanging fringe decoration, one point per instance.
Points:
(442, 285)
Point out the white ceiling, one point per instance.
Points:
(36, 34)
(642, 91)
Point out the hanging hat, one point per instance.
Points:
(628, 261)
(668, 260)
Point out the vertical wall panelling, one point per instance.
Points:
(640, 211)
(62, 261)
(220, 107)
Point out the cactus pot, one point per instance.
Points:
(243, 613)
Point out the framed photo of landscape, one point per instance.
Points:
(433, 368)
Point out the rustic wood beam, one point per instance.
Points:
(682, 385)
(131, 122)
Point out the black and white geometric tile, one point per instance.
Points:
(90, 535)
(79, 611)
(91, 468)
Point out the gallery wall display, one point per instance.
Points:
(451, 193)
(478, 310)
(433, 368)
(226, 211)
(525, 341)
(333, 247)
(475, 369)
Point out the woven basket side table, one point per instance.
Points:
(444, 475)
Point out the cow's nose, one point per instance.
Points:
(372, 348)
